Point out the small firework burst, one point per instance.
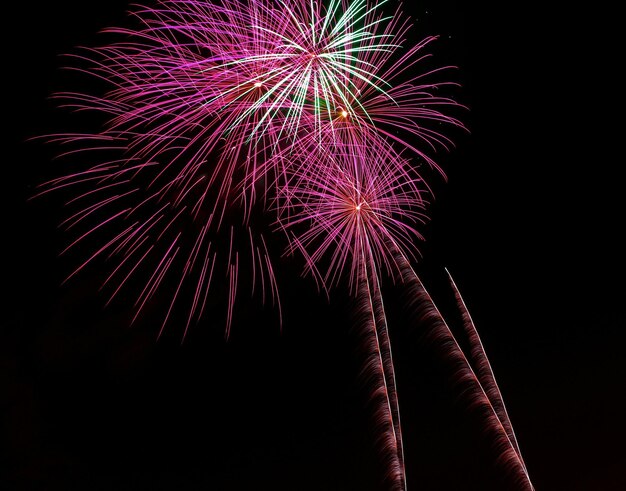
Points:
(347, 204)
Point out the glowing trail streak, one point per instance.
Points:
(483, 370)
(381, 361)
(463, 376)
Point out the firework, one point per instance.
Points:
(216, 115)
(340, 211)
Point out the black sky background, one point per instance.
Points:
(529, 224)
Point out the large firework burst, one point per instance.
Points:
(209, 107)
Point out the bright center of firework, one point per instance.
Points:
(344, 114)
(358, 207)
(258, 84)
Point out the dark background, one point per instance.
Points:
(529, 224)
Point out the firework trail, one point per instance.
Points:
(462, 375)
(484, 372)
(217, 114)
(379, 375)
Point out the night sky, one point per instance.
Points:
(529, 224)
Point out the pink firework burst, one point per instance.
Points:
(209, 107)
(343, 207)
